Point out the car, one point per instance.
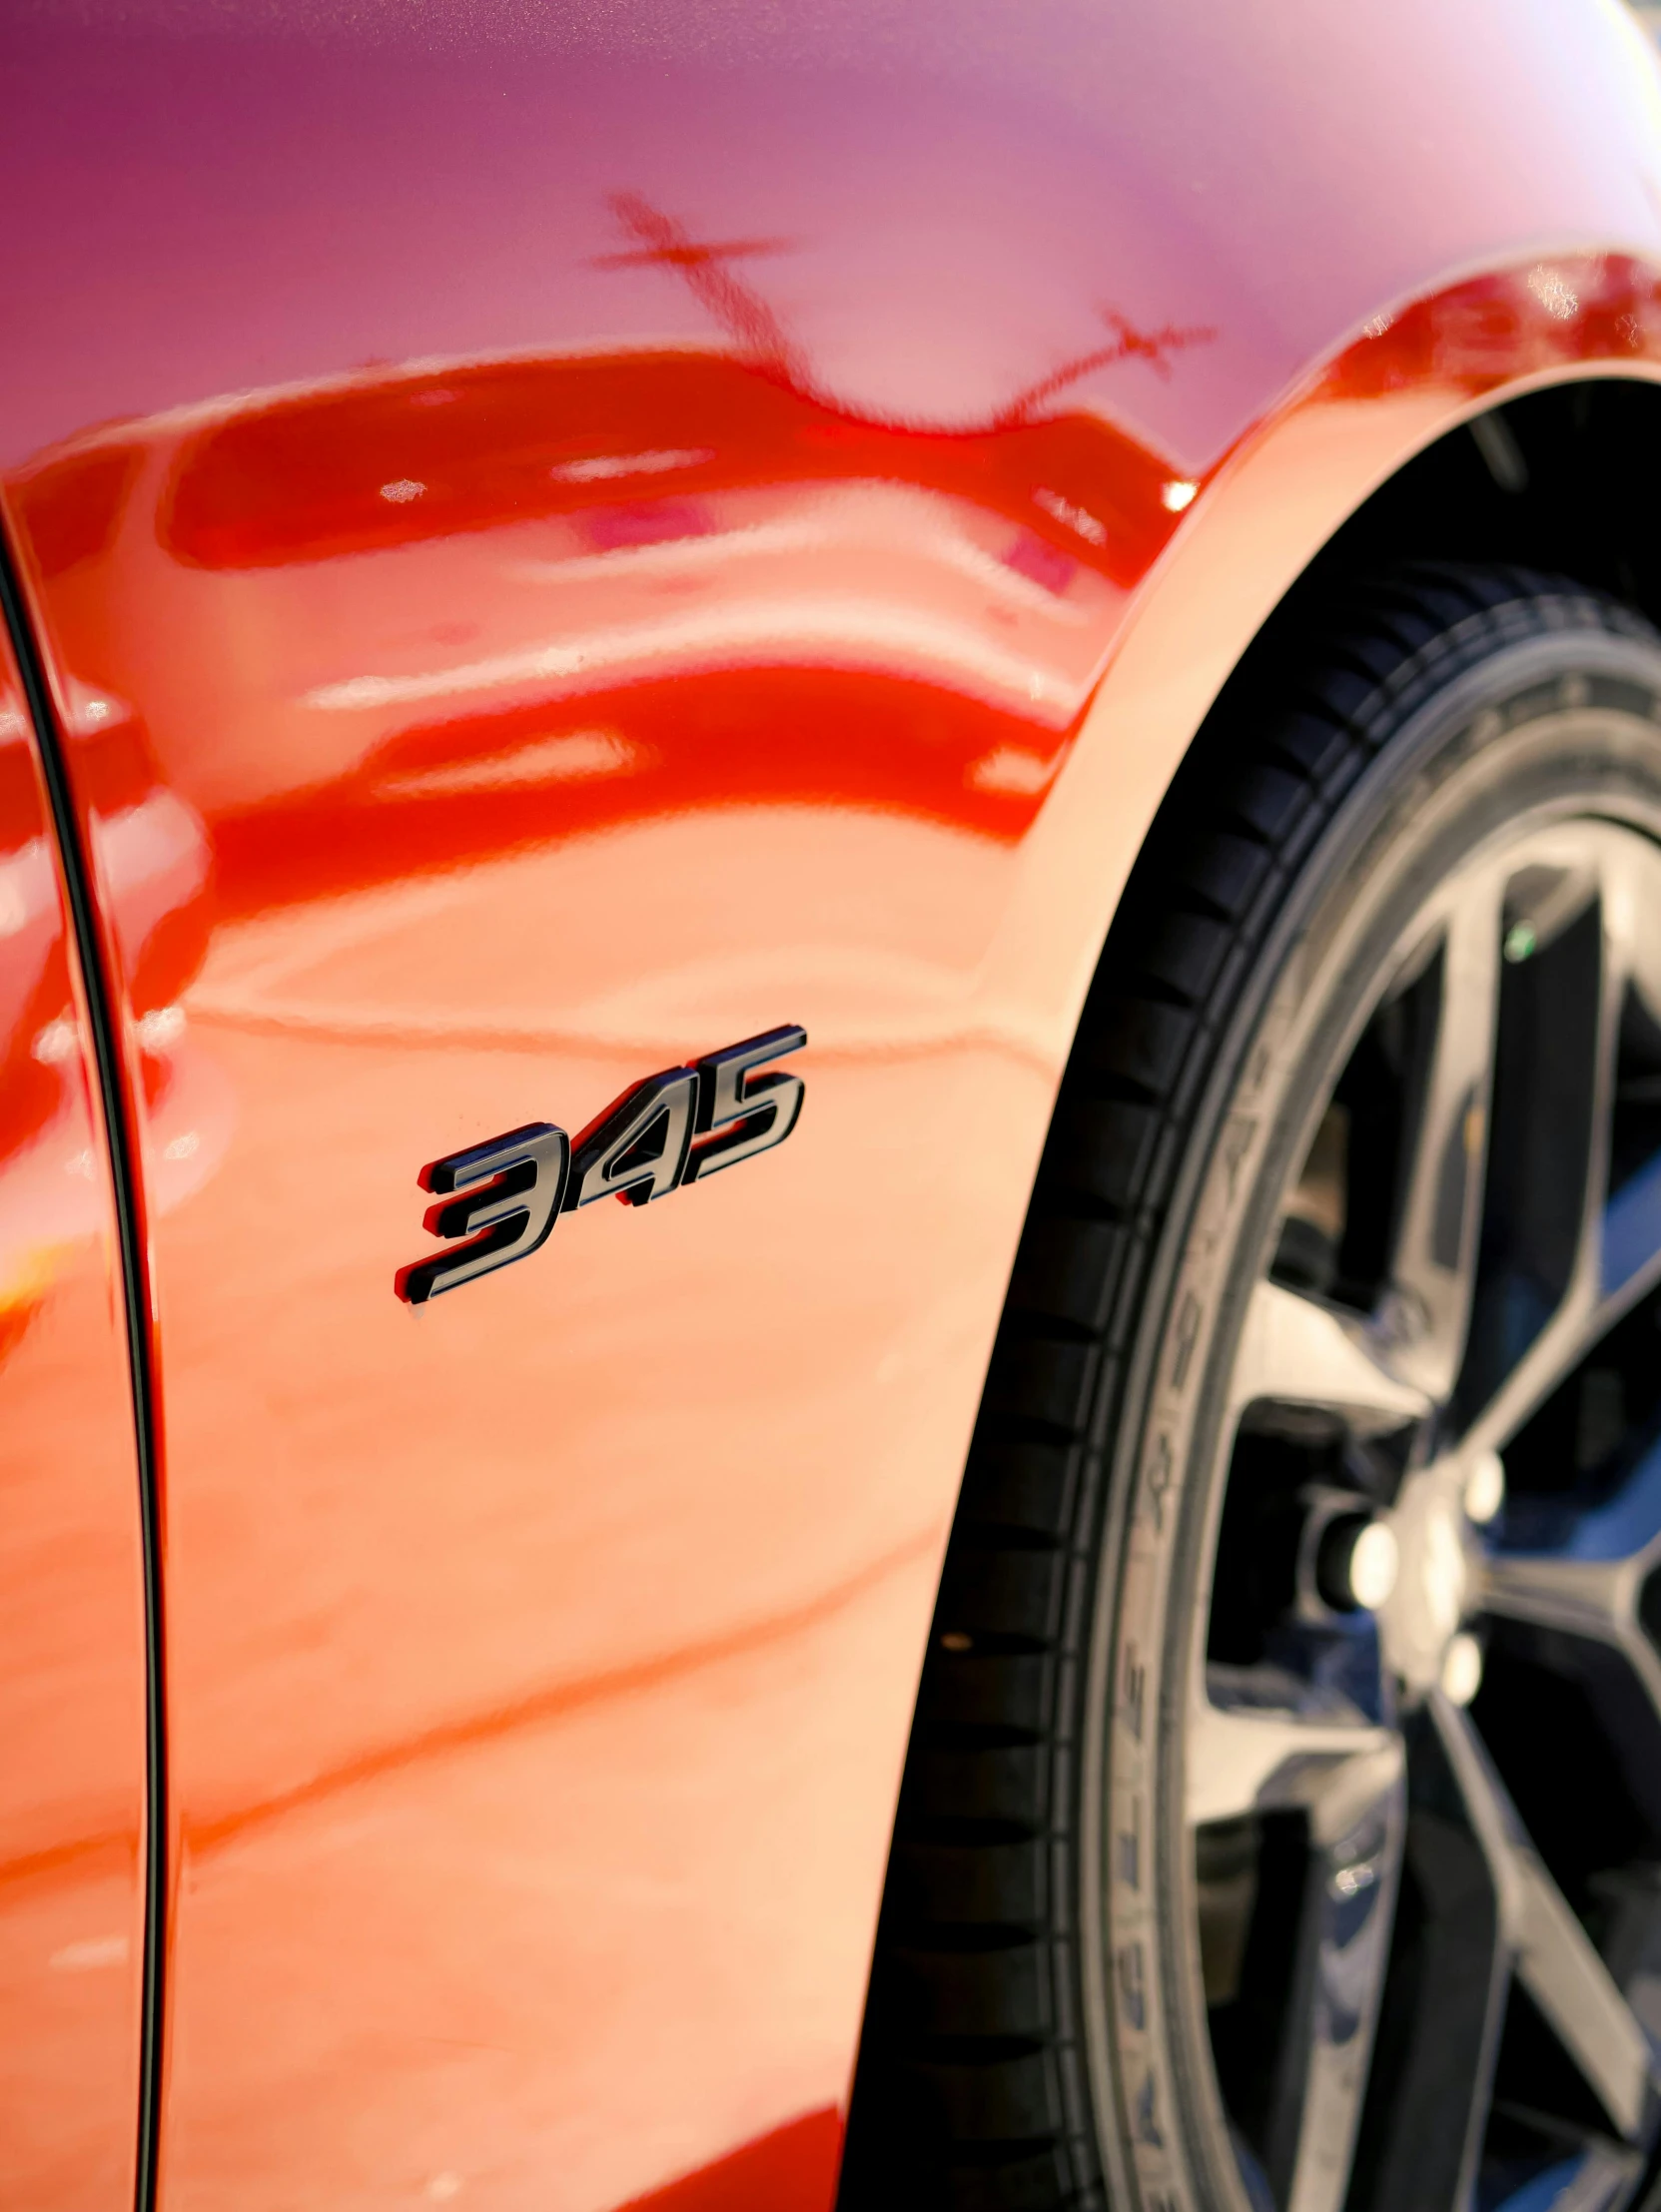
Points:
(1003, 668)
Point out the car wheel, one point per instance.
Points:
(1281, 1825)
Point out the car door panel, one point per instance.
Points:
(73, 1646)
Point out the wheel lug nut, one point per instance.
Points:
(1484, 1488)
(1357, 1563)
(1462, 1668)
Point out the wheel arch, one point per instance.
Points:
(1546, 469)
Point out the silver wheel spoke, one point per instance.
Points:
(1349, 1781)
(1554, 1957)
(1356, 1845)
(1572, 1986)
(1435, 1258)
(1426, 2128)
(1588, 1597)
(1300, 1352)
(1631, 1254)
(1258, 1757)
(1610, 861)
(1585, 1318)
(1592, 1586)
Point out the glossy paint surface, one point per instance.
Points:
(576, 545)
(72, 1648)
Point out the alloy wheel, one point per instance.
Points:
(1465, 1275)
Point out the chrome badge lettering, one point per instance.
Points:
(499, 1202)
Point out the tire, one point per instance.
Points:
(1099, 1979)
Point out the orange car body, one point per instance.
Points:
(544, 545)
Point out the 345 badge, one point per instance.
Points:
(503, 1196)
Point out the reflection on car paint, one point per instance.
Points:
(72, 1708)
(607, 671)
(464, 664)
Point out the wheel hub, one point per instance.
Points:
(1425, 1611)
